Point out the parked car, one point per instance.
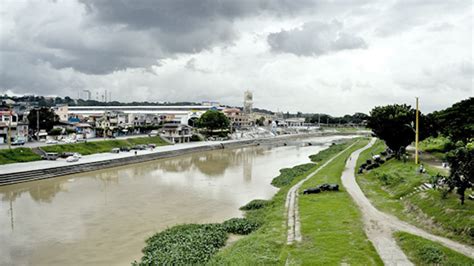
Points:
(50, 156)
(72, 159)
(18, 142)
(115, 150)
(151, 145)
(78, 155)
(66, 154)
(127, 149)
(139, 147)
(51, 141)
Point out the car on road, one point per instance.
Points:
(139, 147)
(50, 156)
(51, 141)
(66, 154)
(115, 150)
(72, 159)
(18, 142)
(127, 149)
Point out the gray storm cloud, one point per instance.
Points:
(314, 39)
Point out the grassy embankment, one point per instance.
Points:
(385, 185)
(331, 223)
(424, 252)
(17, 155)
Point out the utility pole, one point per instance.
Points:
(10, 128)
(416, 132)
(37, 125)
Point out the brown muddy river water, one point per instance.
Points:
(103, 217)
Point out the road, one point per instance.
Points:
(35, 144)
(380, 226)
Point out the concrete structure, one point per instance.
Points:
(248, 102)
(172, 114)
(176, 133)
(237, 118)
(62, 111)
(18, 129)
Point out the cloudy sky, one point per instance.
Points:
(333, 56)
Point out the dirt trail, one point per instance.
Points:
(291, 204)
(380, 226)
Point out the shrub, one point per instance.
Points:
(431, 255)
(241, 226)
(287, 175)
(184, 245)
(254, 205)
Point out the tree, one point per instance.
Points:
(461, 177)
(457, 121)
(212, 120)
(392, 123)
(47, 119)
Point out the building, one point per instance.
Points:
(248, 102)
(62, 111)
(237, 118)
(18, 129)
(176, 133)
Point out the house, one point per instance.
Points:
(176, 133)
(237, 118)
(9, 122)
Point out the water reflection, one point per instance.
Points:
(103, 217)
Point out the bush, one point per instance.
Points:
(241, 226)
(184, 245)
(254, 205)
(431, 255)
(287, 175)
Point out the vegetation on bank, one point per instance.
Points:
(17, 155)
(93, 147)
(390, 189)
(191, 244)
(421, 251)
(331, 226)
(287, 175)
(254, 205)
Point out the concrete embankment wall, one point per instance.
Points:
(25, 176)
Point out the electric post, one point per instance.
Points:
(416, 132)
(10, 128)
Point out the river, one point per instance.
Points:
(103, 217)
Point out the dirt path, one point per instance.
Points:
(380, 226)
(291, 204)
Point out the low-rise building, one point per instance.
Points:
(9, 122)
(176, 133)
(237, 118)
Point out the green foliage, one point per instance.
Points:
(461, 161)
(55, 132)
(287, 175)
(213, 120)
(325, 154)
(457, 121)
(18, 155)
(427, 209)
(425, 252)
(103, 146)
(47, 119)
(392, 123)
(184, 245)
(438, 144)
(254, 205)
(241, 226)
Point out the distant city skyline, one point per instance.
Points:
(336, 57)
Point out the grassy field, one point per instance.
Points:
(331, 226)
(17, 155)
(103, 146)
(421, 251)
(385, 185)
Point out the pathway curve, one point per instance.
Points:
(380, 226)
(291, 204)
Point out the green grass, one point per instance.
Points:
(438, 144)
(103, 146)
(331, 223)
(18, 155)
(421, 251)
(324, 228)
(288, 174)
(385, 185)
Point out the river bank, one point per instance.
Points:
(28, 171)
